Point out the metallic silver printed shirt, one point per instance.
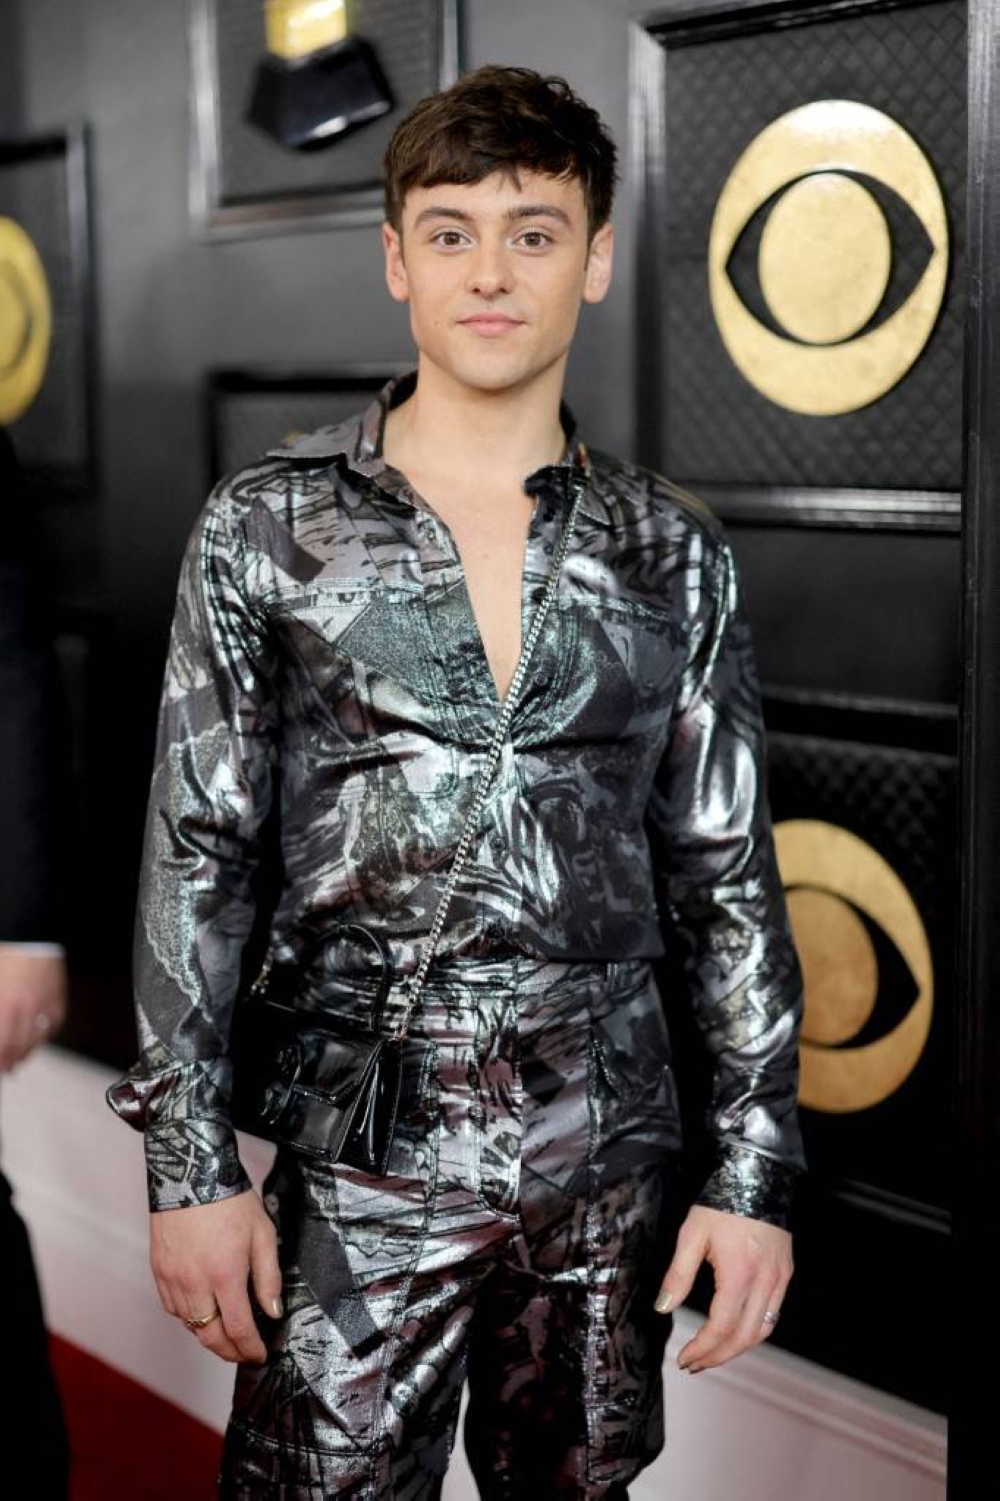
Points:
(326, 666)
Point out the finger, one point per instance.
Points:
(265, 1271)
(27, 1034)
(773, 1305)
(763, 1293)
(41, 1026)
(237, 1318)
(678, 1279)
(213, 1337)
(724, 1314)
(6, 1019)
(755, 1328)
(23, 1034)
(14, 1054)
(12, 1039)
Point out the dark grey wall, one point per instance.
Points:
(10, 67)
(169, 304)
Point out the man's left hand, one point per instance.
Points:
(32, 1001)
(753, 1265)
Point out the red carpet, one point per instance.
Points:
(125, 1441)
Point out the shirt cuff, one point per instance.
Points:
(192, 1162)
(190, 1144)
(748, 1181)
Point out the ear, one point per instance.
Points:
(395, 267)
(600, 259)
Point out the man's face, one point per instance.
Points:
(495, 274)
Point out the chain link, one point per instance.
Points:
(493, 756)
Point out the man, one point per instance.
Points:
(33, 980)
(350, 615)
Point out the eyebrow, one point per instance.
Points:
(520, 211)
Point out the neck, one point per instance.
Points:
(506, 434)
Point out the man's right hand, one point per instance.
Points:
(202, 1259)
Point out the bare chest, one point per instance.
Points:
(491, 538)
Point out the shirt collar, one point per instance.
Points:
(358, 440)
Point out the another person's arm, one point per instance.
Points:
(32, 963)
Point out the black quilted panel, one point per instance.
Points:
(247, 423)
(855, 612)
(714, 426)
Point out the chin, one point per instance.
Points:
(492, 371)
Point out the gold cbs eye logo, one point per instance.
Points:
(830, 876)
(25, 321)
(825, 257)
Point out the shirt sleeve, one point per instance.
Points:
(210, 794)
(722, 902)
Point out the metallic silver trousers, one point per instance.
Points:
(518, 1239)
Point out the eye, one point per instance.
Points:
(453, 236)
(539, 236)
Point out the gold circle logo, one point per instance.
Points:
(825, 257)
(25, 321)
(830, 877)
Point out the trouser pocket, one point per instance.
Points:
(638, 1110)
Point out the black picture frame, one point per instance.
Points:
(976, 1087)
(45, 187)
(278, 191)
(248, 411)
(659, 40)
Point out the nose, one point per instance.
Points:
(488, 270)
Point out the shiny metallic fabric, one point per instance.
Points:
(326, 666)
(527, 1218)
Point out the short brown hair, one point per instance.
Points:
(497, 119)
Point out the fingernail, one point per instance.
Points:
(692, 1370)
(663, 1302)
(278, 1307)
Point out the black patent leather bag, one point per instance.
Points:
(311, 1080)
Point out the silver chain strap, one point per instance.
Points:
(493, 755)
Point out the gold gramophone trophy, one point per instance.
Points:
(318, 80)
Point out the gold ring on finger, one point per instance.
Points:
(204, 1321)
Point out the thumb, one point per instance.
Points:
(264, 1269)
(680, 1274)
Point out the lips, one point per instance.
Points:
(490, 323)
